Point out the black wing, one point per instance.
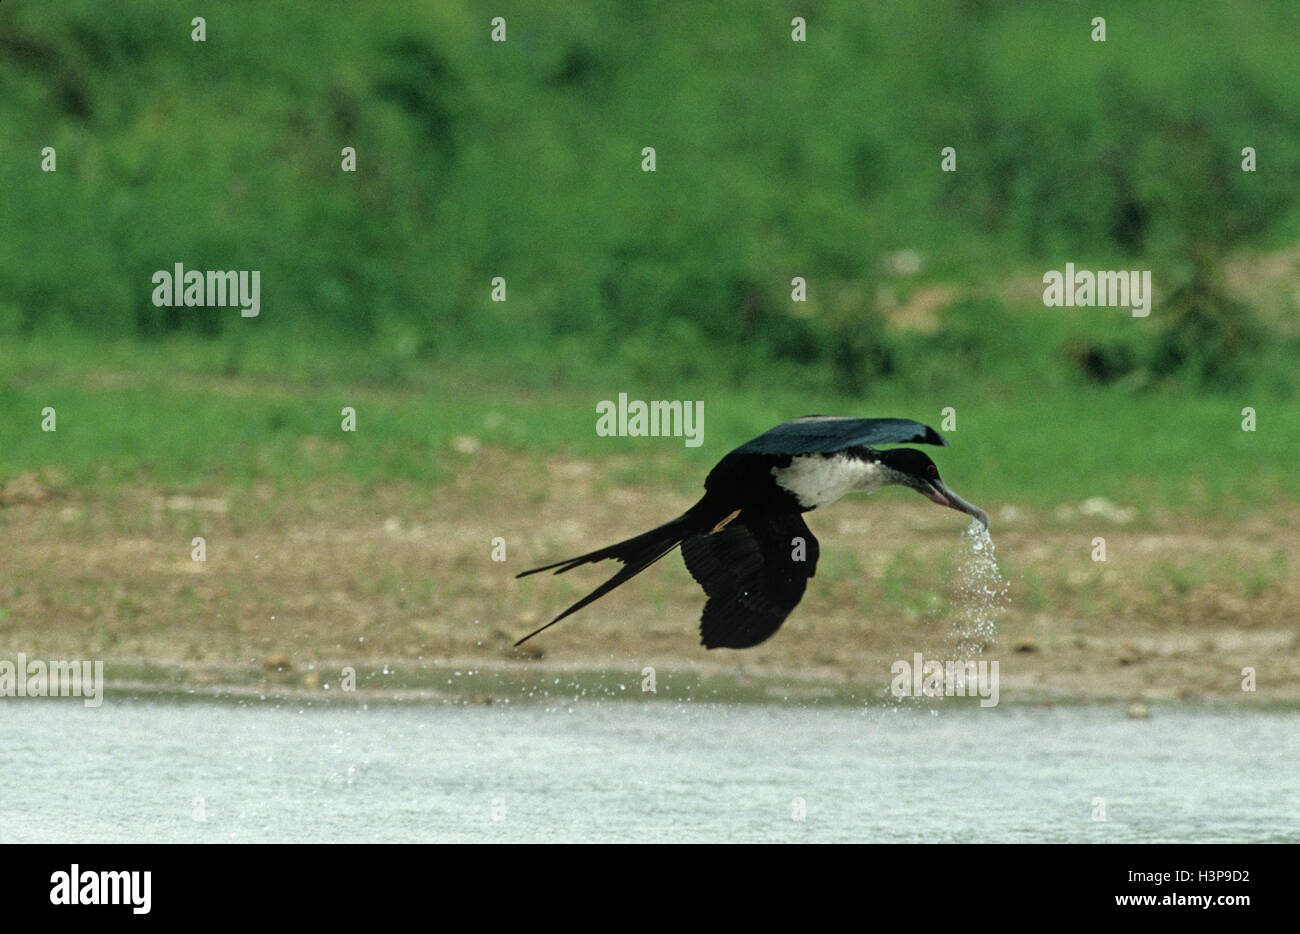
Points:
(824, 434)
(754, 571)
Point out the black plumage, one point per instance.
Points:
(754, 572)
(745, 542)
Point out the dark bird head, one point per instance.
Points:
(914, 468)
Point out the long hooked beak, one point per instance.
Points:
(938, 493)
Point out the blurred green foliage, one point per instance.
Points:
(775, 159)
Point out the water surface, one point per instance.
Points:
(648, 770)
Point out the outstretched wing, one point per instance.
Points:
(754, 572)
(817, 434)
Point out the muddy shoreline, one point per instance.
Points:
(297, 585)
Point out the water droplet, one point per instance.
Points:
(981, 595)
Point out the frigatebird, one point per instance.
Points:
(745, 541)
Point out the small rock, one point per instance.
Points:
(1026, 645)
(1138, 711)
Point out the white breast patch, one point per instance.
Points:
(818, 481)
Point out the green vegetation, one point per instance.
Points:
(775, 159)
(167, 413)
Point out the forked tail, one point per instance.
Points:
(637, 554)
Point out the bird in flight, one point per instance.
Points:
(745, 541)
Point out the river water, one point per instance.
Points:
(643, 770)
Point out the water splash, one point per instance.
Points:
(981, 595)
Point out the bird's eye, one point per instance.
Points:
(932, 470)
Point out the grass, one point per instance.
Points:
(170, 414)
(522, 160)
